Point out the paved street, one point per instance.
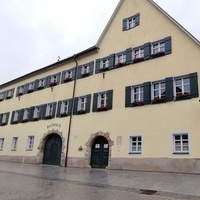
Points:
(30, 182)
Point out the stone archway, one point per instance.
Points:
(89, 143)
(42, 144)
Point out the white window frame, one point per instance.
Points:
(30, 86)
(30, 143)
(182, 78)
(159, 89)
(1, 143)
(102, 100)
(138, 53)
(16, 116)
(68, 74)
(158, 47)
(4, 118)
(36, 112)
(82, 103)
(85, 69)
(26, 114)
(181, 141)
(21, 90)
(9, 94)
(41, 83)
(49, 110)
(131, 23)
(14, 143)
(140, 93)
(138, 148)
(120, 58)
(64, 107)
(54, 79)
(104, 63)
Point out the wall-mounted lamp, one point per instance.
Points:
(103, 74)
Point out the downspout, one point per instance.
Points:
(72, 109)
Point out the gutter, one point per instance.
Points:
(71, 115)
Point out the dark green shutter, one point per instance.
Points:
(147, 51)
(7, 117)
(69, 106)
(31, 112)
(59, 108)
(194, 85)
(79, 69)
(88, 103)
(137, 19)
(91, 67)
(48, 80)
(75, 111)
(20, 117)
(98, 64)
(12, 118)
(124, 26)
(128, 102)
(168, 45)
(95, 100)
(54, 109)
(129, 56)
(26, 88)
(111, 61)
(147, 92)
(1, 117)
(169, 89)
(17, 93)
(73, 73)
(36, 84)
(42, 111)
(58, 78)
(109, 99)
(63, 76)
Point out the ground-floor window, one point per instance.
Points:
(135, 144)
(1, 144)
(30, 143)
(181, 143)
(14, 144)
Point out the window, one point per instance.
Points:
(1, 144)
(14, 144)
(102, 101)
(158, 92)
(16, 116)
(30, 143)
(64, 108)
(135, 144)
(21, 90)
(82, 103)
(182, 87)
(30, 87)
(181, 143)
(1, 96)
(120, 59)
(4, 118)
(85, 69)
(25, 115)
(138, 54)
(9, 93)
(137, 95)
(158, 47)
(104, 63)
(36, 113)
(131, 22)
(41, 83)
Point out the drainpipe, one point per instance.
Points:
(72, 108)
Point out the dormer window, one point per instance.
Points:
(131, 22)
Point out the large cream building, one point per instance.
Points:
(129, 102)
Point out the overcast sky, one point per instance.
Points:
(35, 32)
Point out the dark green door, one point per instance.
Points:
(100, 152)
(52, 150)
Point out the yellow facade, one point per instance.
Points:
(156, 123)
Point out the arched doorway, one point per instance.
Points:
(52, 150)
(100, 153)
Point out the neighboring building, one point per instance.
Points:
(134, 97)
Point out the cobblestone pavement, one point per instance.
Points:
(26, 187)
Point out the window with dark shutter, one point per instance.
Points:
(131, 22)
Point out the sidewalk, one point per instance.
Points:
(167, 184)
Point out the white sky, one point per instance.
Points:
(35, 32)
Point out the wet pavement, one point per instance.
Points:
(30, 182)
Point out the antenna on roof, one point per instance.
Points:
(59, 58)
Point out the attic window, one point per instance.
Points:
(131, 22)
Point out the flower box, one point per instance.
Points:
(181, 96)
(158, 100)
(137, 103)
(67, 80)
(104, 69)
(85, 74)
(48, 117)
(30, 90)
(120, 64)
(158, 54)
(24, 120)
(3, 124)
(135, 60)
(40, 87)
(102, 108)
(81, 112)
(35, 119)
(63, 114)
(52, 84)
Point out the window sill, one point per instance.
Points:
(52, 84)
(102, 109)
(29, 91)
(181, 153)
(29, 149)
(158, 100)
(139, 103)
(13, 149)
(48, 117)
(85, 75)
(134, 153)
(25, 121)
(67, 80)
(120, 64)
(159, 54)
(104, 69)
(80, 112)
(137, 60)
(63, 115)
(35, 119)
